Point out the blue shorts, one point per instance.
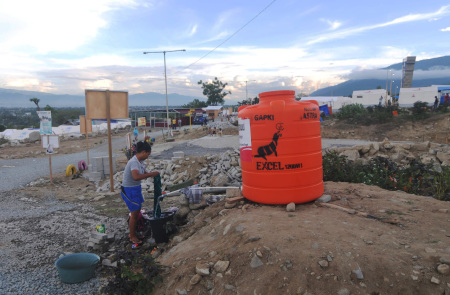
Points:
(133, 197)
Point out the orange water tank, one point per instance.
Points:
(281, 149)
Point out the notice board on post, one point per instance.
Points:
(96, 104)
(85, 125)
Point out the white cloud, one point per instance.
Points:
(446, 29)
(54, 25)
(98, 84)
(444, 10)
(333, 24)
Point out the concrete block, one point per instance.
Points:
(97, 164)
(106, 165)
(99, 236)
(95, 241)
(96, 176)
(178, 154)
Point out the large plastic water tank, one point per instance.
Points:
(281, 149)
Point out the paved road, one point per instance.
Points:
(19, 172)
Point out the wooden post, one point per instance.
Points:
(87, 146)
(108, 119)
(50, 165)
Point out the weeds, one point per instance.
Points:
(416, 178)
(137, 273)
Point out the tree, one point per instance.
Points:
(249, 101)
(195, 104)
(36, 102)
(379, 87)
(214, 91)
(49, 108)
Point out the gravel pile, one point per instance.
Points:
(32, 234)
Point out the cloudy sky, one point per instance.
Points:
(65, 47)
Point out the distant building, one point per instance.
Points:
(213, 111)
(369, 97)
(409, 96)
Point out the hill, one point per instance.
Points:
(21, 98)
(434, 67)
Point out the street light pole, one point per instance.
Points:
(385, 99)
(391, 85)
(165, 79)
(246, 92)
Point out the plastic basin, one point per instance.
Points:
(76, 268)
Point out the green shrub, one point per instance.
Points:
(136, 273)
(351, 111)
(416, 178)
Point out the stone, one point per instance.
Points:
(107, 262)
(178, 239)
(352, 155)
(430, 250)
(99, 236)
(253, 238)
(219, 180)
(227, 228)
(233, 192)
(443, 269)
(212, 254)
(221, 266)
(323, 263)
(195, 279)
(359, 274)
(202, 269)
(344, 292)
(324, 199)
(421, 146)
(435, 281)
(99, 198)
(444, 158)
(290, 207)
(256, 262)
(230, 205)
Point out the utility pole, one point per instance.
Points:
(165, 79)
(246, 92)
(387, 76)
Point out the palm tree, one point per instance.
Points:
(36, 102)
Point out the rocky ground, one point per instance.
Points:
(386, 242)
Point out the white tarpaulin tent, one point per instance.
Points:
(62, 130)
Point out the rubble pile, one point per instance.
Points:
(209, 170)
(400, 153)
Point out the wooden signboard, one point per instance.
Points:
(85, 125)
(96, 104)
(105, 104)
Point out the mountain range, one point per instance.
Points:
(427, 72)
(434, 71)
(21, 98)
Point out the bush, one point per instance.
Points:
(136, 273)
(416, 178)
(351, 111)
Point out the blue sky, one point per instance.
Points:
(65, 47)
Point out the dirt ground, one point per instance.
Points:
(395, 255)
(397, 249)
(435, 129)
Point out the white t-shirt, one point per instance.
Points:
(133, 164)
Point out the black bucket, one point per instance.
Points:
(159, 227)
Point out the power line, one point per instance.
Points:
(232, 35)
